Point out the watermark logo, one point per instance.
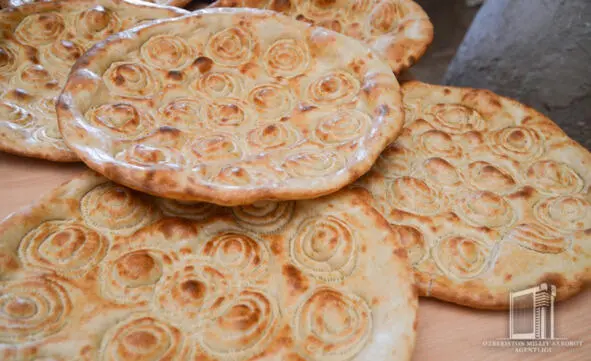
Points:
(531, 322)
(531, 313)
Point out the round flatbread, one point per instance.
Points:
(488, 195)
(40, 42)
(398, 30)
(13, 3)
(231, 106)
(96, 271)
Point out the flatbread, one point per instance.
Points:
(96, 271)
(398, 30)
(488, 195)
(39, 44)
(231, 106)
(13, 3)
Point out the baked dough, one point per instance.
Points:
(13, 3)
(96, 271)
(488, 195)
(231, 106)
(398, 30)
(40, 42)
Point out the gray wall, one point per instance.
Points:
(536, 51)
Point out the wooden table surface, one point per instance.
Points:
(446, 332)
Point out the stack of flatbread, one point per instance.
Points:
(14, 3)
(40, 43)
(399, 31)
(217, 107)
(96, 271)
(262, 188)
(488, 195)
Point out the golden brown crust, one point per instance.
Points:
(489, 196)
(216, 107)
(14, 3)
(40, 43)
(398, 30)
(96, 271)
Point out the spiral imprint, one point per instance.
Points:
(221, 148)
(192, 292)
(461, 257)
(354, 30)
(148, 156)
(228, 113)
(456, 118)
(385, 17)
(539, 238)
(131, 277)
(271, 101)
(264, 216)
(441, 173)
(435, 142)
(233, 176)
(120, 119)
(114, 208)
(35, 79)
(8, 58)
(333, 326)
(272, 136)
(63, 54)
(321, 9)
(415, 196)
(551, 177)
(358, 7)
(143, 337)
(334, 25)
(412, 241)
(334, 88)
(39, 29)
(49, 134)
(411, 111)
(230, 47)
(97, 24)
(324, 247)
(14, 114)
(287, 58)
(238, 254)
(342, 126)
(243, 327)
(395, 160)
(32, 309)
(247, 174)
(487, 177)
(564, 214)
(182, 114)
(166, 52)
(313, 164)
(519, 143)
(284, 7)
(68, 248)
(130, 79)
(219, 84)
(485, 209)
(8, 263)
(198, 211)
(47, 107)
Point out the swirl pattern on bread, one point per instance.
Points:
(43, 40)
(398, 30)
(167, 280)
(489, 195)
(265, 115)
